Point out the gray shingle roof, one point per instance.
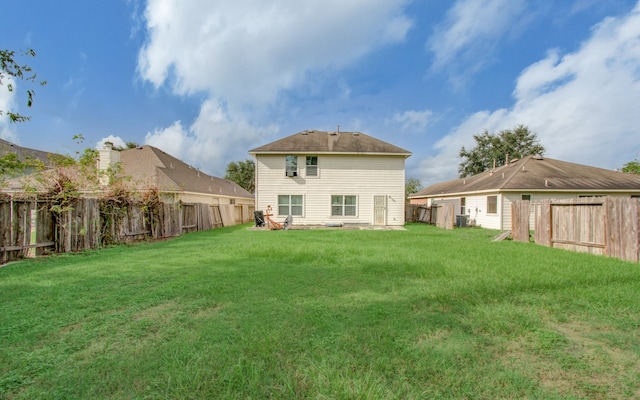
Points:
(23, 152)
(538, 174)
(150, 165)
(322, 142)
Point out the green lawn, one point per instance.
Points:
(322, 314)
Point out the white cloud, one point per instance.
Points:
(415, 121)
(582, 105)
(246, 51)
(116, 140)
(212, 140)
(7, 103)
(174, 140)
(242, 54)
(472, 28)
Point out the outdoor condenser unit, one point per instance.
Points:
(461, 221)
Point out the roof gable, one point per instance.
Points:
(534, 173)
(319, 142)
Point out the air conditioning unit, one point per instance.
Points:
(291, 173)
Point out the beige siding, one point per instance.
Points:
(477, 206)
(364, 176)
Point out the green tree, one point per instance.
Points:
(413, 185)
(10, 70)
(495, 148)
(242, 173)
(632, 167)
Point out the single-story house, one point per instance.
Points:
(149, 167)
(331, 178)
(486, 198)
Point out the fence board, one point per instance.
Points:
(227, 212)
(609, 226)
(445, 216)
(520, 216)
(88, 225)
(542, 228)
(622, 231)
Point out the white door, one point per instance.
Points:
(379, 210)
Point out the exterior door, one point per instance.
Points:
(379, 210)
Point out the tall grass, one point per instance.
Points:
(235, 313)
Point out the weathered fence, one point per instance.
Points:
(33, 227)
(607, 226)
(440, 215)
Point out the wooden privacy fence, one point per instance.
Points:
(31, 227)
(607, 225)
(440, 215)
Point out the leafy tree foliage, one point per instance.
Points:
(513, 143)
(10, 70)
(632, 167)
(413, 185)
(11, 165)
(242, 173)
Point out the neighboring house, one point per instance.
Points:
(486, 197)
(337, 178)
(23, 153)
(149, 167)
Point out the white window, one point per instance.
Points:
(291, 166)
(344, 206)
(290, 204)
(312, 165)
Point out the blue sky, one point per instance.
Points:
(207, 81)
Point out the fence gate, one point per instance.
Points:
(608, 226)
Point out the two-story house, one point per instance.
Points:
(329, 178)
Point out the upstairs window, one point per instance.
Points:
(344, 206)
(291, 168)
(312, 166)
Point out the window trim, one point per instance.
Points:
(306, 166)
(489, 204)
(290, 166)
(343, 206)
(289, 205)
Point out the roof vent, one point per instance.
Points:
(356, 133)
(305, 133)
(538, 157)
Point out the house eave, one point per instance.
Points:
(538, 190)
(308, 152)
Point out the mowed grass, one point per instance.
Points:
(322, 314)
